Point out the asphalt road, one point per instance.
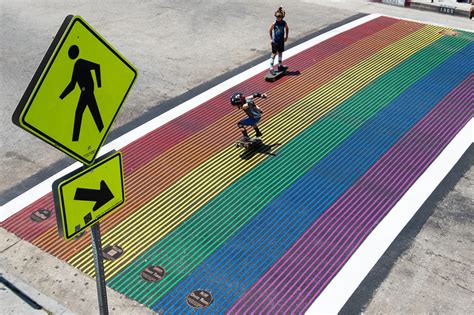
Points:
(180, 49)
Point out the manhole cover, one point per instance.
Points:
(199, 299)
(40, 215)
(112, 252)
(153, 273)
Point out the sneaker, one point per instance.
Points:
(282, 68)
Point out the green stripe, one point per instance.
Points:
(210, 178)
(185, 248)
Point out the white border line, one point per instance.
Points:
(428, 22)
(20, 202)
(343, 285)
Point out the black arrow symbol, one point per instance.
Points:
(100, 196)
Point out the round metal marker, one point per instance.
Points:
(199, 299)
(153, 273)
(40, 215)
(112, 252)
(449, 33)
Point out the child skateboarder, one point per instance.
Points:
(278, 35)
(253, 112)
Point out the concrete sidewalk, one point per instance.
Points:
(449, 7)
(51, 283)
(18, 297)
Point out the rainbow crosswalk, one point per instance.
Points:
(265, 231)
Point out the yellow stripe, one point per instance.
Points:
(157, 218)
(284, 93)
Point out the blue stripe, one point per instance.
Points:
(232, 269)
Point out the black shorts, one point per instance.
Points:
(278, 47)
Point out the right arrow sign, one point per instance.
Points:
(100, 196)
(85, 196)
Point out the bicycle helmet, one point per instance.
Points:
(237, 99)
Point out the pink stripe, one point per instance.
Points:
(343, 228)
(335, 256)
(264, 293)
(365, 225)
(328, 221)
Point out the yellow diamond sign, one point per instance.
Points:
(88, 194)
(77, 91)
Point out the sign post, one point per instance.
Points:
(71, 103)
(85, 196)
(99, 269)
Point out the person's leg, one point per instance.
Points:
(257, 131)
(244, 132)
(241, 125)
(272, 58)
(281, 49)
(272, 61)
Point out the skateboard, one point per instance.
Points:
(248, 143)
(277, 73)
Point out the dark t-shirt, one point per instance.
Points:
(279, 31)
(252, 110)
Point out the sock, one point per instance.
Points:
(272, 60)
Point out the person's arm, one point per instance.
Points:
(271, 30)
(262, 95)
(287, 30)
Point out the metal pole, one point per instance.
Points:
(99, 269)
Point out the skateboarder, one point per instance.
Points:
(253, 112)
(278, 35)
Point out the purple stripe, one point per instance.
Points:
(326, 228)
(332, 233)
(322, 251)
(366, 226)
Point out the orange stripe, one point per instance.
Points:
(163, 170)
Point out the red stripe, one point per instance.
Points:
(143, 150)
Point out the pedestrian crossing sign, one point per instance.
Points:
(77, 91)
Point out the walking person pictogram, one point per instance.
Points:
(83, 77)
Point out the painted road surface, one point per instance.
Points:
(362, 114)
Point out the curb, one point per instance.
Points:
(21, 298)
(449, 8)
